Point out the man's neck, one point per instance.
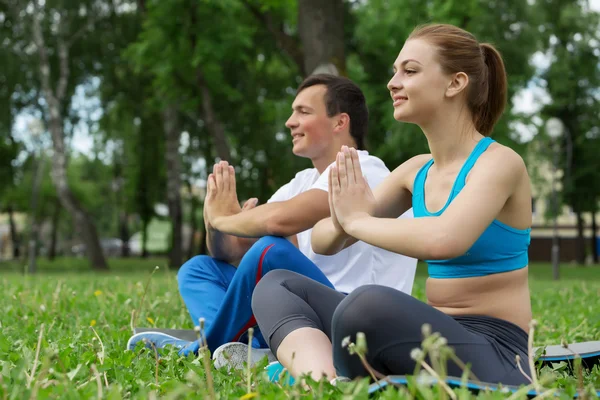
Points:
(328, 157)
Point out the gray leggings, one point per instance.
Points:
(391, 320)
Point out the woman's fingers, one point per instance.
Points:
(349, 165)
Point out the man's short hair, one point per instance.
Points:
(343, 96)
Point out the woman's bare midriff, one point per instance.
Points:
(504, 296)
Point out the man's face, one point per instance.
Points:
(309, 124)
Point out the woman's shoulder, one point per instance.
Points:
(500, 164)
(407, 171)
(499, 155)
(416, 163)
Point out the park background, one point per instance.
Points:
(113, 111)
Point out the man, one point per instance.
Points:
(328, 112)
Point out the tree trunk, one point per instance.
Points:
(193, 221)
(214, 125)
(287, 43)
(83, 222)
(14, 235)
(54, 234)
(210, 118)
(594, 240)
(122, 203)
(173, 134)
(144, 239)
(321, 30)
(54, 99)
(580, 250)
(124, 233)
(34, 220)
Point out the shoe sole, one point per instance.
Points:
(237, 355)
(135, 337)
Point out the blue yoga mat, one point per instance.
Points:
(454, 382)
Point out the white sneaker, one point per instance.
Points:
(235, 354)
(339, 379)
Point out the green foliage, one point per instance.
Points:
(60, 311)
(572, 80)
(244, 72)
(8, 152)
(137, 57)
(380, 29)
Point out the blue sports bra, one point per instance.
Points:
(500, 248)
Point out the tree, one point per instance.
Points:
(56, 30)
(8, 153)
(12, 78)
(572, 80)
(380, 28)
(315, 41)
(206, 84)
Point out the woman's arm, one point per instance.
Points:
(451, 234)
(392, 198)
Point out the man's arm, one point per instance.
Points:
(282, 218)
(225, 247)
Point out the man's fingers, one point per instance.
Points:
(214, 172)
(231, 178)
(219, 177)
(226, 177)
(250, 204)
(210, 187)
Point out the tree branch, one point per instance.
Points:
(211, 119)
(63, 55)
(287, 43)
(44, 66)
(80, 32)
(206, 109)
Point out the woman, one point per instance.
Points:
(472, 206)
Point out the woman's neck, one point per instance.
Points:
(449, 142)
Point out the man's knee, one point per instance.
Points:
(270, 241)
(267, 246)
(194, 267)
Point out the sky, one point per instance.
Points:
(529, 100)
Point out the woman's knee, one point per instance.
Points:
(359, 309)
(266, 288)
(358, 312)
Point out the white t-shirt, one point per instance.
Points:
(361, 263)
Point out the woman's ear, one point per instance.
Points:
(457, 85)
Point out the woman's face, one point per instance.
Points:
(419, 86)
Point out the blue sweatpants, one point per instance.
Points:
(222, 294)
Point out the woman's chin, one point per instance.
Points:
(401, 116)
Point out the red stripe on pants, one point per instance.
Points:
(252, 321)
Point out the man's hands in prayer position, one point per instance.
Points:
(221, 196)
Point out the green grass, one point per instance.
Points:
(73, 363)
